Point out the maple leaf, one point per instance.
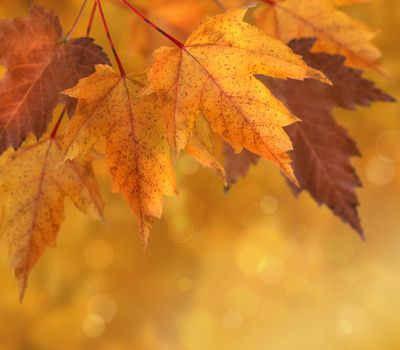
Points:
(201, 147)
(214, 73)
(35, 185)
(237, 165)
(322, 148)
(41, 64)
(337, 33)
(137, 152)
(348, 88)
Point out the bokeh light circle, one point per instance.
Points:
(388, 146)
(93, 326)
(232, 320)
(380, 172)
(103, 306)
(269, 204)
(180, 229)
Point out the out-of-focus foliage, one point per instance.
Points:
(39, 67)
(251, 269)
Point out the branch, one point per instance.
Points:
(120, 67)
(76, 20)
(158, 29)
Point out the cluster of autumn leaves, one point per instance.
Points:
(231, 94)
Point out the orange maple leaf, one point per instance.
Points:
(138, 155)
(214, 73)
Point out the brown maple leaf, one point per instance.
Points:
(40, 65)
(237, 165)
(322, 148)
(349, 88)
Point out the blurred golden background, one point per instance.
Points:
(252, 269)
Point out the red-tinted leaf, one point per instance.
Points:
(40, 65)
(349, 88)
(322, 148)
(237, 165)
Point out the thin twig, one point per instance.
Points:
(219, 4)
(54, 132)
(57, 126)
(76, 20)
(92, 13)
(120, 67)
(158, 29)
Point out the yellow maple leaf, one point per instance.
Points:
(336, 32)
(137, 153)
(34, 185)
(201, 147)
(214, 73)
